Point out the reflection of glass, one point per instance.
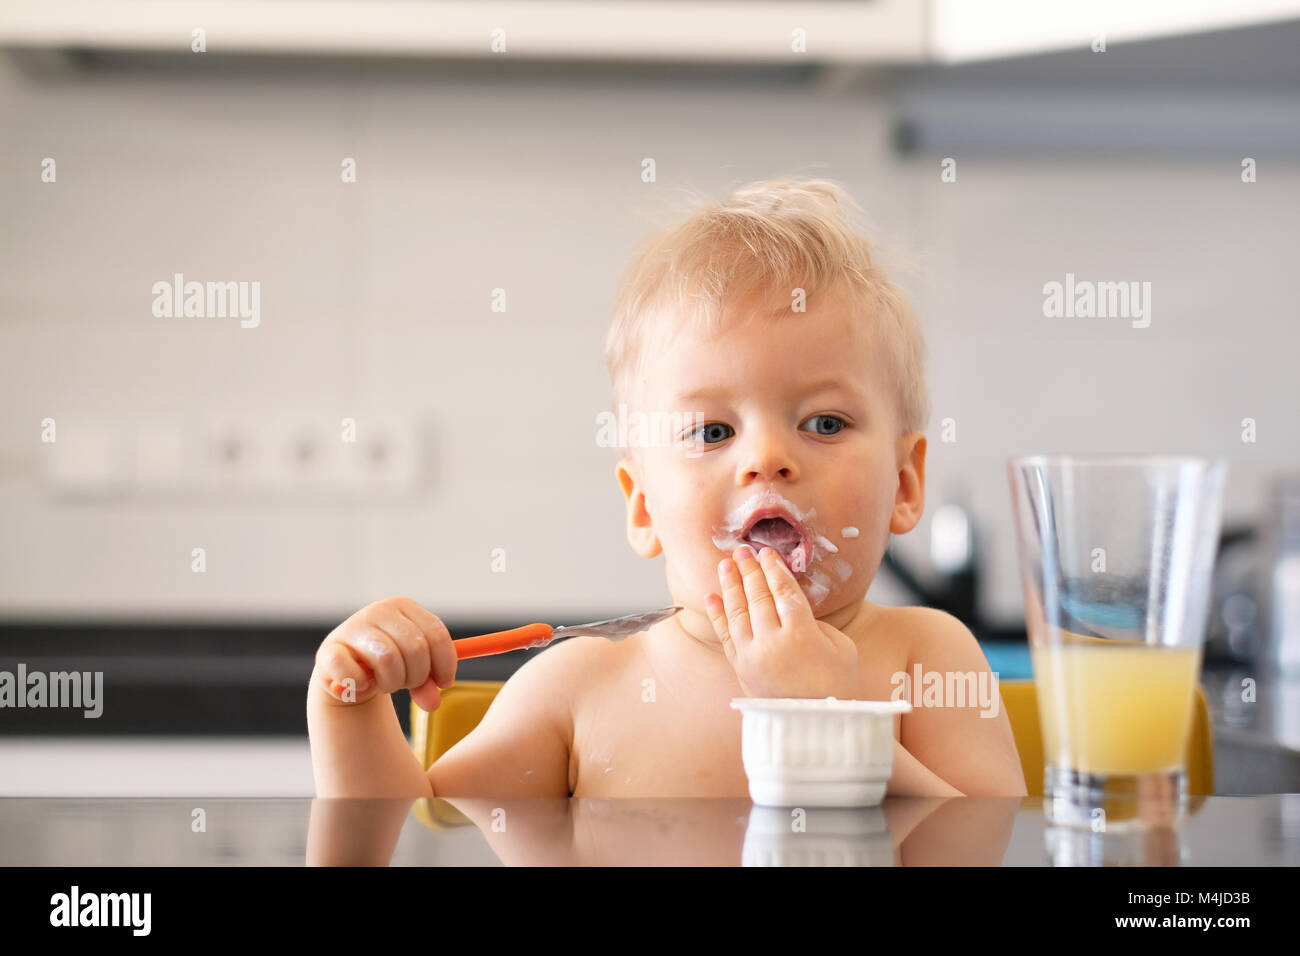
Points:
(1116, 558)
(1148, 846)
(1158, 844)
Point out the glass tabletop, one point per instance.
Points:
(905, 831)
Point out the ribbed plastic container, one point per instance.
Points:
(817, 753)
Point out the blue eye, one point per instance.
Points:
(712, 433)
(828, 424)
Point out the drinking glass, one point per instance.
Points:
(1116, 559)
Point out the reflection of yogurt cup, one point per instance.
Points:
(817, 752)
(825, 836)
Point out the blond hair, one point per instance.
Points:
(777, 231)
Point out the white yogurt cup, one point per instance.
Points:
(817, 752)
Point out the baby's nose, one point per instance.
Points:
(769, 457)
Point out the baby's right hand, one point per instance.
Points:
(384, 647)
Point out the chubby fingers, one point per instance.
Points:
(730, 612)
(337, 665)
(790, 601)
(756, 577)
(747, 603)
(397, 648)
(442, 652)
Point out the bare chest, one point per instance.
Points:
(665, 728)
(658, 734)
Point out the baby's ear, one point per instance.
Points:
(640, 528)
(909, 501)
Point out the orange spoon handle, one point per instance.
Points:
(499, 642)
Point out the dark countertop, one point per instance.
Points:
(1255, 702)
(1256, 718)
(985, 831)
(177, 680)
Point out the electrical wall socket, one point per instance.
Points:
(225, 457)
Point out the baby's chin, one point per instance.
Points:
(824, 584)
(836, 602)
(822, 599)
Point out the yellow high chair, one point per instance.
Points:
(465, 703)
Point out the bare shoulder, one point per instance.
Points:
(933, 638)
(565, 674)
(562, 671)
(522, 747)
(918, 633)
(957, 728)
(576, 661)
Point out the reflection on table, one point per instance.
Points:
(960, 831)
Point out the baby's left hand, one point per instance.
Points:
(768, 632)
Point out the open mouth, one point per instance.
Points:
(780, 533)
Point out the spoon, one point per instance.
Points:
(539, 635)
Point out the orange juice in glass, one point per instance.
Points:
(1116, 561)
(1090, 700)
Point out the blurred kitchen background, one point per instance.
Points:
(1151, 143)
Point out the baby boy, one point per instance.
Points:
(764, 324)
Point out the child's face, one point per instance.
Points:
(794, 413)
